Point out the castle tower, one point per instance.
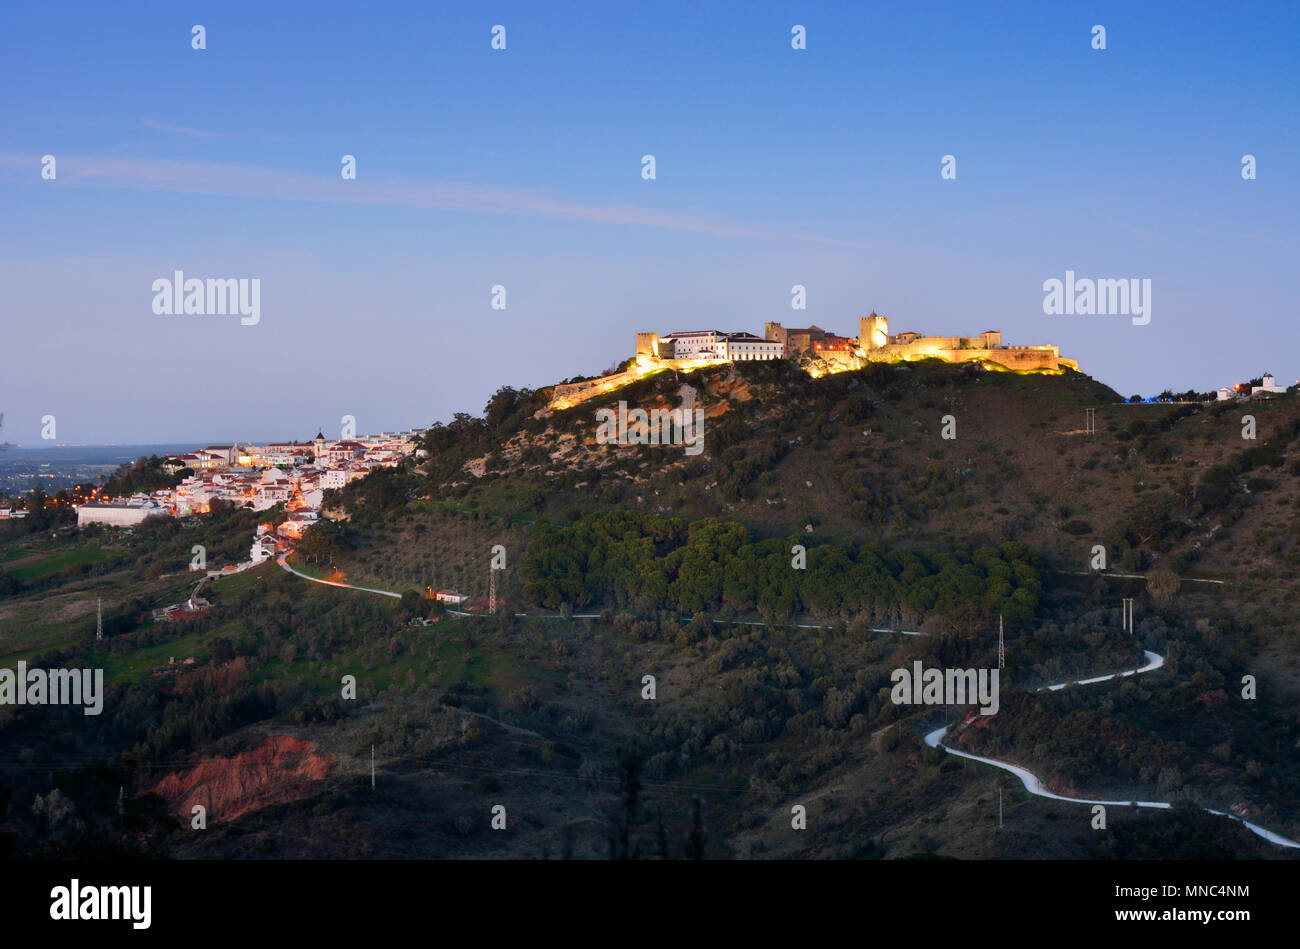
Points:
(647, 344)
(873, 332)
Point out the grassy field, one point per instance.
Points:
(52, 563)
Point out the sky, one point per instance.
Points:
(522, 168)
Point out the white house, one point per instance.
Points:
(263, 548)
(217, 456)
(342, 452)
(1269, 385)
(338, 477)
(267, 496)
(333, 479)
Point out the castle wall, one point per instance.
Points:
(653, 353)
(1013, 357)
(570, 394)
(824, 362)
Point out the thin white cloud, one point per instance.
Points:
(182, 130)
(243, 181)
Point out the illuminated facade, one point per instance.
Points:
(876, 345)
(817, 352)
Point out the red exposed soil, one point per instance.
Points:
(281, 769)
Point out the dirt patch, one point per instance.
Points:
(281, 769)
(54, 609)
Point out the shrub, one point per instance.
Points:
(1162, 585)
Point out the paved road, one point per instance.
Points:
(1031, 782)
(283, 561)
(1035, 786)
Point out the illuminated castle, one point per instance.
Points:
(817, 351)
(876, 345)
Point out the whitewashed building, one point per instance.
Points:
(1269, 385)
(741, 347)
(694, 344)
(127, 513)
(263, 548)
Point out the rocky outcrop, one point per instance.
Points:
(281, 769)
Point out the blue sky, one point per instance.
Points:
(522, 168)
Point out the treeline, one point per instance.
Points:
(144, 475)
(44, 512)
(382, 493)
(325, 540)
(627, 558)
(465, 437)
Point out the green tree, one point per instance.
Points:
(1162, 585)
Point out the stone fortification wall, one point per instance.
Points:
(1013, 357)
(1035, 358)
(570, 394)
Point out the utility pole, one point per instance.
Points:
(372, 767)
(492, 589)
(99, 619)
(999, 808)
(1128, 615)
(1092, 421)
(1002, 649)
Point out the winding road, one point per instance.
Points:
(1034, 786)
(283, 561)
(935, 738)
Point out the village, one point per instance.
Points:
(296, 474)
(259, 477)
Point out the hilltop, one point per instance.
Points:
(665, 554)
(861, 455)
